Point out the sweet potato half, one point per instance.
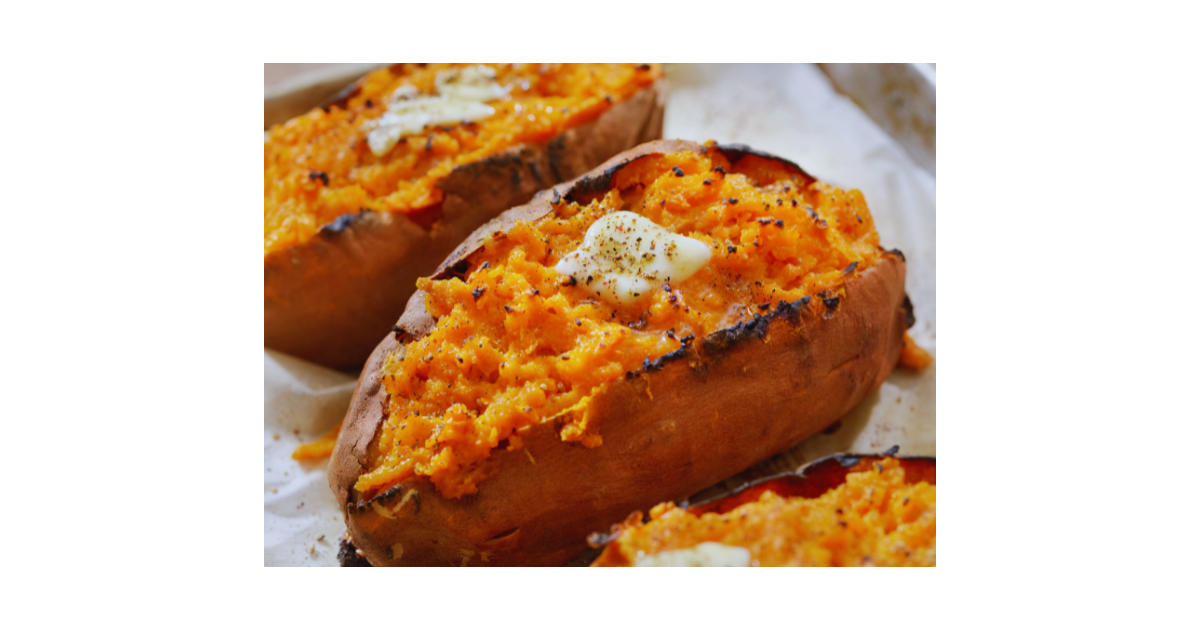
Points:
(841, 510)
(352, 220)
(515, 410)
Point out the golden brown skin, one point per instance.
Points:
(709, 411)
(813, 480)
(330, 299)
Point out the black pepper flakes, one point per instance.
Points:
(644, 66)
(570, 281)
(429, 143)
(678, 171)
(321, 175)
(732, 249)
(764, 306)
(485, 265)
(731, 201)
(708, 182)
(719, 169)
(589, 280)
(778, 223)
(508, 309)
(370, 104)
(478, 292)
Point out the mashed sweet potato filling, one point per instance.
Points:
(517, 343)
(319, 166)
(875, 518)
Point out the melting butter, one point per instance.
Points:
(707, 554)
(473, 83)
(461, 94)
(624, 256)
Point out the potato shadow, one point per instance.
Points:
(311, 375)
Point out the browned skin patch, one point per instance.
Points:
(724, 403)
(331, 298)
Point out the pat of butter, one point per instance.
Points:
(624, 256)
(708, 554)
(461, 94)
(473, 83)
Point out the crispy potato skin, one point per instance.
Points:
(330, 299)
(723, 403)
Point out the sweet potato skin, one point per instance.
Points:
(331, 298)
(677, 426)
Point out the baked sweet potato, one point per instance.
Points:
(354, 216)
(517, 409)
(841, 510)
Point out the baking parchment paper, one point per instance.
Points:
(790, 110)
